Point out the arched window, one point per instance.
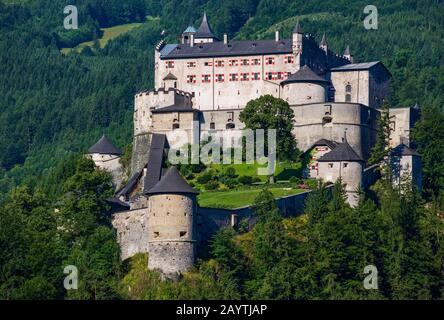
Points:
(230, 125)
(348, 98)
(348, 88)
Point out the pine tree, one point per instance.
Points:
(382, 146)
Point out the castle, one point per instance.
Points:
(209, 81)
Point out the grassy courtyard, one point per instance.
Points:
(238, 198)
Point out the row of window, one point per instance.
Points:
(234, 62)
(229, 125)
(243, 76)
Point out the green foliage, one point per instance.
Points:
(38, 240)
(382, 147)
(268, 112)
(428, 134)
(245, 180)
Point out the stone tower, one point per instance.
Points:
(106, 156)
(297, 45)
(344, 163)
(171, 225)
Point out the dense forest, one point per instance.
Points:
(54, 106)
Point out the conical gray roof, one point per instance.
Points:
(170, 76)
(172, 182)
(403, 150)
(343, 152)
(204, 30)
(104, 146)
(297, 28)
(304, 74)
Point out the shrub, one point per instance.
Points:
(230, 172)
(231, 182)
(311, 183)
(206, 177)
(212, 185)
(246, 179)
(256, 179)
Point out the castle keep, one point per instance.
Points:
(208, 81)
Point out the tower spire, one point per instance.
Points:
(297, 28)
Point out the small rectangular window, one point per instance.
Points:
(330, 165)
(345, 164)
(182, 233)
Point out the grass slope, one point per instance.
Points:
(239, 198)
(108, 34)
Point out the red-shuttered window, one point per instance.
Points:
(233, 63)
(269, 60)
(234, 77)
(244, 76)
(289, 59)
(191, 78)
(208, 63)
(219, 63)
(169, 64)
(245, 62)
(255, 76)
(191, 64)
(256, 62)
(206, 78)
(219, 77)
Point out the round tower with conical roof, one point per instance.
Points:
(172, 236)
(304, 86)
(345, 164)
(106, 156)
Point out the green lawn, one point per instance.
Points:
(108, 34)
(239, 198)
(284, 171)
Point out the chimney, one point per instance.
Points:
(225, 38)
(191, 40)
(276, 35)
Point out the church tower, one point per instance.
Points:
(172, 236)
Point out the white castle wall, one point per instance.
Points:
(109, 163)
(349, 172)
(330, 120)
(225, 93)
(303, 93)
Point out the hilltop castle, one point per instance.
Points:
(209, 81)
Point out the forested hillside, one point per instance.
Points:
(53, 105)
